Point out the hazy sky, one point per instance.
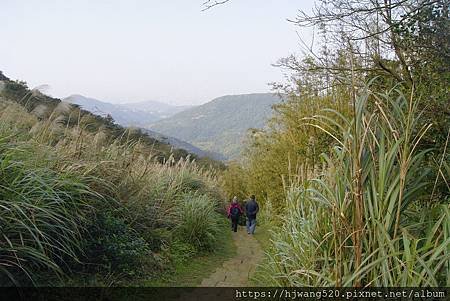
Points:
(136, 50)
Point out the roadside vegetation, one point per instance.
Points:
(84, 202)
(355, 167)
(189, 271)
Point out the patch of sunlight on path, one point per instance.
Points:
(236, 272)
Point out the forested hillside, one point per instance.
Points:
(85, 202)
(354, 171)
(220, 125)
(177, 143)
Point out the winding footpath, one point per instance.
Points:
(236, 272)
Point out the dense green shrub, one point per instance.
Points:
(115, 246)
(198, 221)
(179, 252)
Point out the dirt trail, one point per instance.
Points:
(234, 272)
(237, 271)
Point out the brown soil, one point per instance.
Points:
(236, 272)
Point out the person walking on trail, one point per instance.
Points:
(234, 212)
(251, 209)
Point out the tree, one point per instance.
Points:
(404, 41)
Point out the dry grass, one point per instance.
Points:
(58, 180)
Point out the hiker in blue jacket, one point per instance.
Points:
(251, 209)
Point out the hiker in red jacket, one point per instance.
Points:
(234, 212)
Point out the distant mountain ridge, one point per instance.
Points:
(43, 107)
(220, 125)
(163, 110)
(216, 129)
(139, 114)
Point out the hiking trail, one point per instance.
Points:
(236, 271)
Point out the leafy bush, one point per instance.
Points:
(179, 252)
(115, 246)
(157, 238)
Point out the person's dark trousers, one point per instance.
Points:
(234, 224)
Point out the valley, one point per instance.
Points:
(221, 125)
(217, 129)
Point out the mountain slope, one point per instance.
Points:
(72, 115)
(179, 144)
(220, 125)
(139, 114)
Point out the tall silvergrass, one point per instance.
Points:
(198, 221)
(41, 215)
(365, 220)
(53, 175)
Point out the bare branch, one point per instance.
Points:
(209, 4)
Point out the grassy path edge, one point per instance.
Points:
(194, 270)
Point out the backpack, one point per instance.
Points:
(234, 212)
